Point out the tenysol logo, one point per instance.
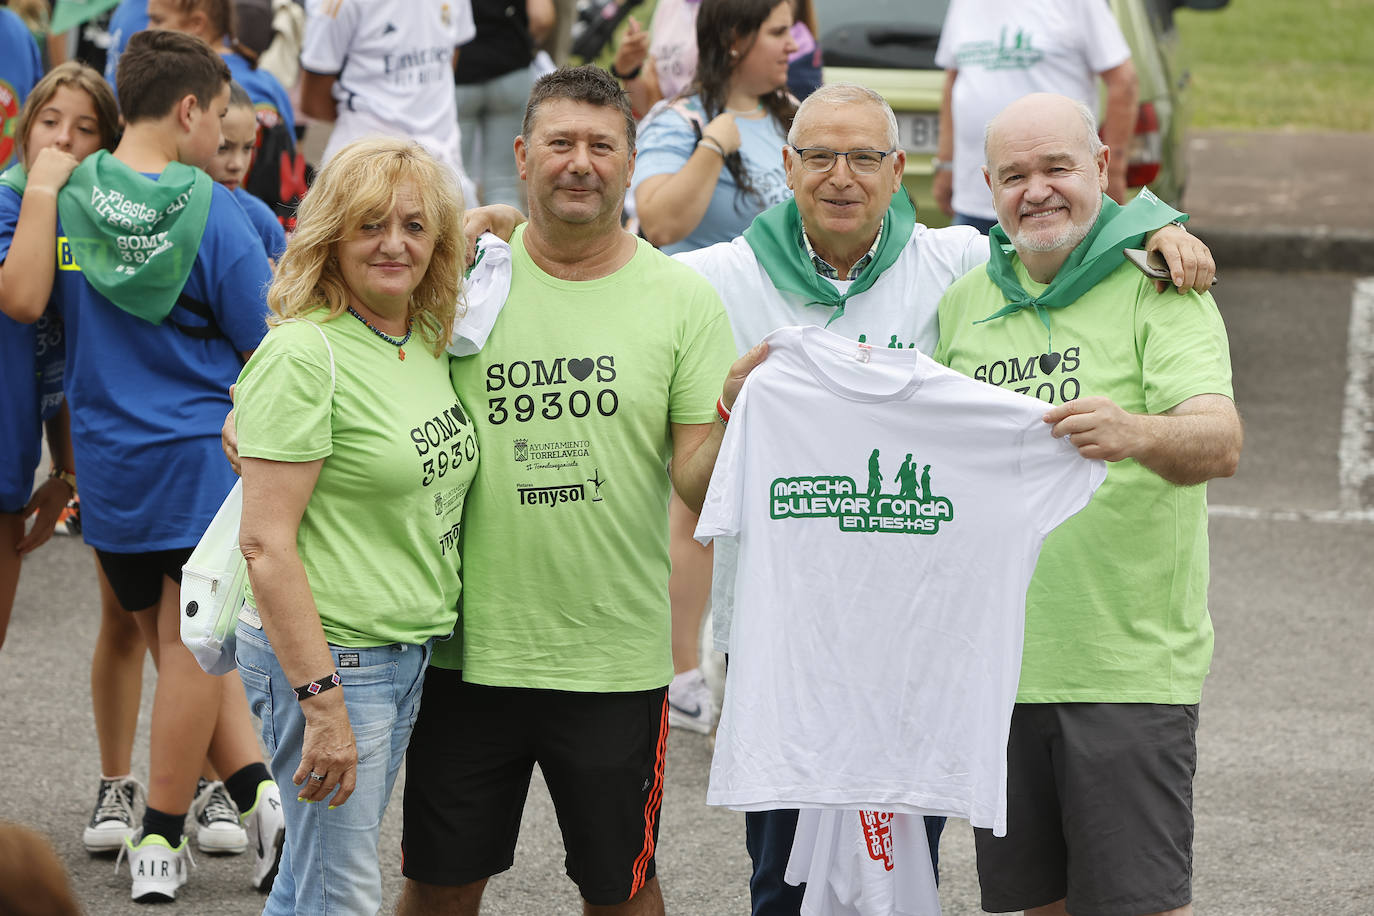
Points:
(551, 496)
(913, 509)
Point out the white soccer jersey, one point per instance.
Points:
(395, 69)
(1004, 49)
(863, 863)
(890, 512)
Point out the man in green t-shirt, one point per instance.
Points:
(605, 365)
(1118, 638)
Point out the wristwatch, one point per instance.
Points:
(67, 477)
(941, 165)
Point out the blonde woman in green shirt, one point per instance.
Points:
(356, 456)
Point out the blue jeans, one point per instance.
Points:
(329, 864)
(768, 835)
(490, 115)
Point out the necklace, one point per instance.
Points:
(398, 343)
(745, 111)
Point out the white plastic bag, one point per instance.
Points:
(212, 586)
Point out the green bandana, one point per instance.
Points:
(16, 178)
(135, 238)
(775, 237)
(1096, 256)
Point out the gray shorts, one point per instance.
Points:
(1099, 810)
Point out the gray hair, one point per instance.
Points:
(837, 93)
(1095, 144)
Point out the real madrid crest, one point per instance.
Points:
(445, 15)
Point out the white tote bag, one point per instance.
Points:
(212, 586)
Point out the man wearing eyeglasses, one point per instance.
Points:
(847, 254)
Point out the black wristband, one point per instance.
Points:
(314, 687)
(625, 77)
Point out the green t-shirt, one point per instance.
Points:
(566, 547)
(379, 538)
(1117, 608)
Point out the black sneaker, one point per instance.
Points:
(116, 812)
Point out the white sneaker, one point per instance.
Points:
(690, 704)
(116, 812)
(158, 870)
(217, 821)
(266, 829)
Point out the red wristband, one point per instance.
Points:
(722, 411)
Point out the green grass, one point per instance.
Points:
(1274, 64)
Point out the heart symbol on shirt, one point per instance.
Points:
(580, 368)
(1048, 361)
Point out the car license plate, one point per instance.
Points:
(919, 133)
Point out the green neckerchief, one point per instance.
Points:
(1099, 254)
(134, 237)
(775, 237)
(16, 178)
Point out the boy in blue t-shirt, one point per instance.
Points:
(240, 131)
(161, 285)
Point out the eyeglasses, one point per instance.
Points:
(861, 161)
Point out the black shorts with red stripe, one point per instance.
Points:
(468, 771)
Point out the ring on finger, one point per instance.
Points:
(318, 777)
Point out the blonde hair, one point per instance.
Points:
(81, 76)
(358, 186)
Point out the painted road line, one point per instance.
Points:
(1356, 451)
(1330, 516)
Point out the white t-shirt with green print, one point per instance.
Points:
(890, 513)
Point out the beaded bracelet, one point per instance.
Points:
(315, 687)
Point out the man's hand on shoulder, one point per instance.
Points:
(498, 219)
(1190, 262)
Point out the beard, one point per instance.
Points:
(1068, 237)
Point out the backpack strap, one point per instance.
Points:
(208, 331)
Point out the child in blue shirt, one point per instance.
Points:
(231, 165)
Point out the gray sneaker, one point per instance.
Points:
(217, 821)
(117, 804)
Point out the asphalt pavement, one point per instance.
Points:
(1285, 774)
(1283, 200)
